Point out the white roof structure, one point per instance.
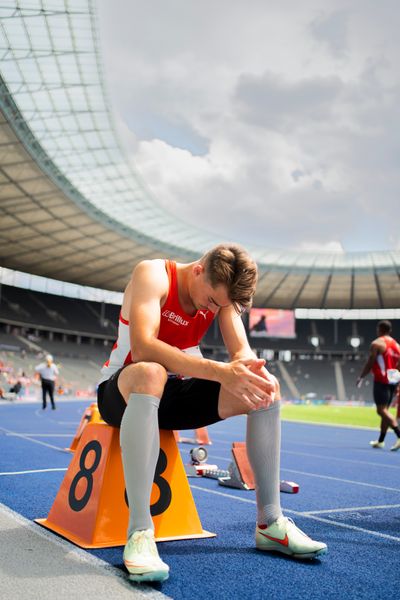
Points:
(73, 209)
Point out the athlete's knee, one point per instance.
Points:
(146, 378)
(274, 407)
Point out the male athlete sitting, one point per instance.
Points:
(156, 378)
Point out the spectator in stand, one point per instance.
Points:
(47, 372)
(16, 388)
(384, 361)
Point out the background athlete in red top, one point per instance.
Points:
(383, 360)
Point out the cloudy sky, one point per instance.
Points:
(271, 123)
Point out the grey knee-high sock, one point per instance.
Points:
(140, 444)
(263, 442)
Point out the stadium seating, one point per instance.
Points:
(40, 310)
(80, 334)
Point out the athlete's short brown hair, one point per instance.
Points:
(232, 266)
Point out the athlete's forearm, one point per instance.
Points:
(243, 354)
(367, 367)
(239, 376)
(243, 351)
(177, 361)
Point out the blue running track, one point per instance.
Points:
(349, 497)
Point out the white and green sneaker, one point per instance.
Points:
(141, 558)
(283, 536)
(377, 444)
(396, 445)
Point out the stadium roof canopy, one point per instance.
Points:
(72, 207)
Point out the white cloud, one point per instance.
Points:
(270, 124)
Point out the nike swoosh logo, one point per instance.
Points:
(284, 542)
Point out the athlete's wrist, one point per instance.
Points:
(218, 370)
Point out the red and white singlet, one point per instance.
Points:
(388, 360)
(176, 328)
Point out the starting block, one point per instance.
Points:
(201, 437)
(91, 508)
(91, 415)
(198, 465)
(240, 474)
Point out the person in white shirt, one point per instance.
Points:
(48, 372)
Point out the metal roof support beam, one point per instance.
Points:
(378, 289)
(278, 285)
(326, 290)
(352, 289)
(303, 285)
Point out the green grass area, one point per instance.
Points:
(334, 415)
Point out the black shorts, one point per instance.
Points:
(383, 393)
(185, 403)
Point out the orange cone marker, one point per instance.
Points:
(91, 509)
(91, 415)
(201, 437)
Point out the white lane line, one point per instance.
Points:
(185, 445)
(336, 425)
(351, 509)
(105, 568)
(366, 448)
(324, 457)
(304, 514)
(214, 456)
(351, 481)
(300, 422)
(349, 460)
(41, 414)
(224, 494)
(362, 483)
(222, 432)
(20, 402)
(25, 437)
(353, 527)
(33, 471)
(68, 435)
(331, 444)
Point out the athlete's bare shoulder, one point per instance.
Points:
(152, 266)
(151, 274)
(149, 277)
(378, 345)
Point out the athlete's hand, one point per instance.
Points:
(244, 378)
(273, 384)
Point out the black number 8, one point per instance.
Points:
(86, 473)
(165, 491)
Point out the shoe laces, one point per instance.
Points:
(143, 541)
(293, 524)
